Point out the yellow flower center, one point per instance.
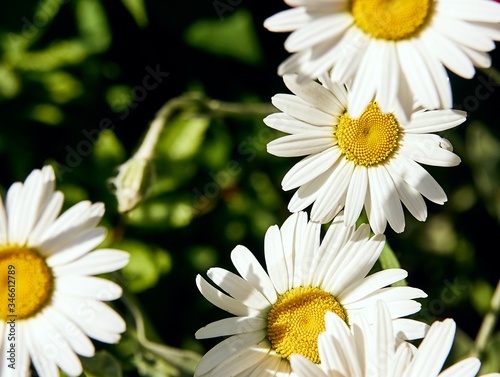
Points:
(391, 19)
(370, 139)
(296, 320)
(26, 282)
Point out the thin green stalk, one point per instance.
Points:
(488, 324)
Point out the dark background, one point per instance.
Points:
(450, 256)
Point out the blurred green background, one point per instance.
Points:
(80, 81)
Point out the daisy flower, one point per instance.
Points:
(372, 161)
(378, 45)
(363, 350)
(50, 301)
(281, 312)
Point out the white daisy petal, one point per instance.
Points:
(360, 49)
(308, 192)
(466, 367)
(300, 109)
(480, 10)
(93, 317)
(66, 305)
(225, 349)
(231, 326)
(430, 347)
(307, 243)
(332, 194)
(373, 206)
(94, 263)
(301, 144)
(435, 121)
(356, 194)
(28, 206)
(465, 34)
(387, 99)
(242, 360)
(56, 347)
(426, 149)
(278, 265)
(380, 279)
(250, 269)
(309, 275)
(285, 123)
(414, 67)
(419, 178)
(238, 288)
(50, 213)
(3, 224)
(80, 245)
(310, 168)
(409, 196)
(76, 338)
(89, 287)
(363, 88)
(354, 268)
(388, 198)
(221, 300)
(13, 203)
(318, 30)
(409, 329)
(287, 20)
(304, 368)
(81, 216)
(268, 367)
(43, 366)
(314, 93)
(452, 56)
(367, 350)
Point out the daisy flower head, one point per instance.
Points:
(378, 45)
(371, 162)
(375, 351)
(51, 302)
(281, 312)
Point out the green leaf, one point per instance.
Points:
(481, 294)
(93, 25)
(156, 359)
(389, 260)
(163, 212)
(137, 9)
(147, 264)
(234, 37)
(102, 364)
(108, 149)
(182, 137)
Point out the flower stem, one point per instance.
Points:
(488, 324)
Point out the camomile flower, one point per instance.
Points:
(363, 350)
(370, 162)
(377, 46)
(51, 304)
(281, 312)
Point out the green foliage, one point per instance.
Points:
(235, 37)
(75, 93)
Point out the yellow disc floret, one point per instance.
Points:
(370, 139)
(391, 19)
(297, 318)
(26, 283)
